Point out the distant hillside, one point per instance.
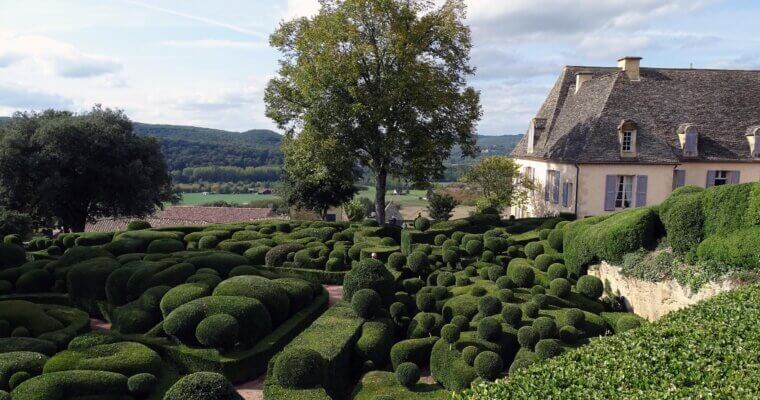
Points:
(4, 119)
(190, 146)
(489, 146)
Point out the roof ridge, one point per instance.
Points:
(668, 68)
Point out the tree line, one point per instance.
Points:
(220, 173)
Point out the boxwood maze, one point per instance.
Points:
(465, 300)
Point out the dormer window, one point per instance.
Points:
(627, 131)
(536, 127)
(753, 137)
(689, 139)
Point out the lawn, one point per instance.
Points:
(412, 199)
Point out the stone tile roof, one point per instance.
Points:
(583, 127)
(186, 216)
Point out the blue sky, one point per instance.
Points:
(206, 63)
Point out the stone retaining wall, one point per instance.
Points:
(652, 300)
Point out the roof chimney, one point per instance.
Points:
(580, 78)
(630, 65)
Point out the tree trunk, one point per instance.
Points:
(78, 225)
(380, 185)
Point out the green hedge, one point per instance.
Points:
(739, 249)
(731, 207)
(84, 384)
(376, 384)
(609, 237)
(705, 351)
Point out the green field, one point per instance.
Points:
(412, 199)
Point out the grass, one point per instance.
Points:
(191, 199)
(385, 382)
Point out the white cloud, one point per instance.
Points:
(19, 98)
(53, 57)
(301, 8)
(214, 44)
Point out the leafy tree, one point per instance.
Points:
(317, 175)
(15, 222)
(498, 181)
(70, 168)
(385, 78)
(440, 206)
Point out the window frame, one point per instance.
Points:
(721, 176)
(625, 192)
(627, 143)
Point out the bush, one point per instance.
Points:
(548, 348)
(369, 274)
(451, 257)
(683, 219)
(559, 287)
(445, 279)
(627, 323)
(408, 374)
(126, 358)
(450, 333)
(299, 368)
(35, 281)
(218, 331)
(489, 329)
(572, 317)
(527, 337)
(556, 238)
(495, 272)
(440, 206)
(488, 365)
(530, 309)
(489, 305)
(274, 298)
(14, 222)
(256, 255)
(421, 224)
(545, 327)
(473, 247)
(412, 350)
(512, 314)
(11, 255)
(202, 386)
(208, 242)
(543, 261)
(556, 270)
(469, 354)
(396, 261)
(590, 286)
(478, 291)
(277, 256)
(533, 250)
(521, 275)
(569, 334)
(729, 208)
(504, 282)
(737, 249)
(366, 303)
(86, 384)
(141, 384)
(165, 246)
(417, 262)
(182, 294)
(18, 378)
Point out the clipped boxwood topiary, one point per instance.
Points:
(137, 225)
(533, 250)
(202, 386)
(522, 275)
(274, 298)
(545, 327)
(557, 270)
(488, 365)
(572, 317)
(218, 331)
(208, 242)
(408, 374)
(366, 303)
(396, 261)
(450, 333)
(425, 302)
(478, 291)
(495, 272)
(445, 278)
(299, 368)
(489, 305)
(559, 287)
(421, 224)
(543, 261)
(469, 354)
(590, 286)
(548, 348)
(512, 314)
(369, 274)
(417, 262)
(489, 329)
(504, 282)
(473, 247)
(527, 337)
(569, 334)
(556, 239)
(141, 384)
(626, 323)
(166, 245)
(277, 256)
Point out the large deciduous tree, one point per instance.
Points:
(67, 169)
(499, 183)
(385, 78)
(317, 173)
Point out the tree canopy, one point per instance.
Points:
(66, 169)
(317, 175)
(385, 78)
(497, 179)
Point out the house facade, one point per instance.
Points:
(608, 139)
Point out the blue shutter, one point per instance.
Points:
(610, 191)
(679, 178)
(641, 190)
(565, 194)
(710, 178)
(733, 177)
(547, 182)
(555, 200)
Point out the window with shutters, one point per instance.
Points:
(624, 197)
(627, 145)
(721, 178)
(552, 190)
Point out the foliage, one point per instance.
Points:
(202, 386)
(440, 206)
(701, 351)
(299, 368)
(495, 178)
(75, 168)
(649, 266)
(14, 222)
(386, 79)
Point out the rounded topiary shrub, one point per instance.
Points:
(137, 225)
(369, 274)
(506, 295)
(202, 386)
(590, 286)
(556, 238)
(626, 323)
(489, 305)
(520, 363)
(543, 261)
(569, 334)
(461, 321)
(141, 384)
(165, 246)
(469, 353)
(35, 281)
(572, 317)
(522, 275)
(421, 224)
(408, 374)
(425, 302)
(450, 333)
(527, 337)
(398, 310)
(488, 365)
(299, 368)
(548, 348)
(218, 331)
(11, 255)
(417, 262)
(543, 234)
(545, 327)
(478, 291)
(489, 329)
(530, 309)
(208, 242)
(512, 314)
(559, 287)
(474, 247)
(557, 270)
(396, 261)
(446, 279)
(366, 303)
(504, 282)
(18, 378)
(439, 239)
(533, 250)
(540, 299)
(495, 272)
(537, 289)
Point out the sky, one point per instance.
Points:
(206, 63)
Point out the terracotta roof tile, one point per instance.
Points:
(186, 216)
